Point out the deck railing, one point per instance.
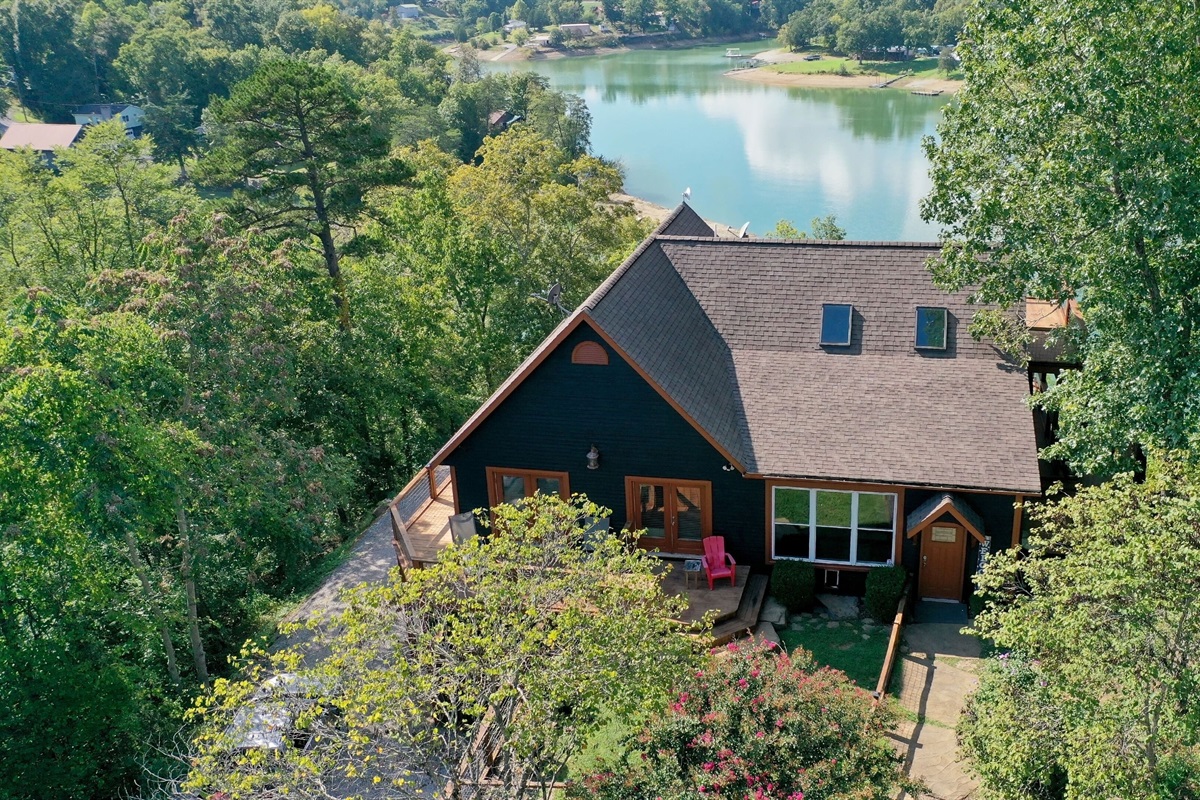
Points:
(407, 506)
(426, 485)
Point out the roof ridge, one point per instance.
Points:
(598, 293)
(818, 242)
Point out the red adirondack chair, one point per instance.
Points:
(718, 563)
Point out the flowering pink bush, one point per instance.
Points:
(756, 724)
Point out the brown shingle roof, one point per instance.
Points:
(39, 137)
(731, 329)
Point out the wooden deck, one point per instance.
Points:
(429, 531)
(722, 598)
(425, 522)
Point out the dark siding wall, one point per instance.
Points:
(551, 420)
(997, 512)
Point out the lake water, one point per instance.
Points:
(752, 152)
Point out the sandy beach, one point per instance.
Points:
(656, 213)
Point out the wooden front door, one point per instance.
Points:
(675, 515)
(943, 556)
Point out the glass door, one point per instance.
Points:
(674, 516)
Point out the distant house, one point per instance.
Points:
(807, 400)
(499, 121)
(95, 113)
(514, 24)
(406, 11)
(576, 30)
(40, 138)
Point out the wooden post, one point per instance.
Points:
(431, 476)
(1018, 510)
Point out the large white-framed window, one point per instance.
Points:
(832, 526)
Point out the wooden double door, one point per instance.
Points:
(674, 515)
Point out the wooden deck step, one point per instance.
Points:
(747, 614)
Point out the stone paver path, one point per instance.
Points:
(937, 670)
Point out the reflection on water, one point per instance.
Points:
(753, 152)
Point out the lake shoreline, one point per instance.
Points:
(833, 80)
(511, 52)
(645, 209)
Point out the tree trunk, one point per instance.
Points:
(186, 572)
(139, 567)
(325, 233)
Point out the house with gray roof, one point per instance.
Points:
(132, 117)
(808, 400)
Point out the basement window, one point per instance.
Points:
(836, 323)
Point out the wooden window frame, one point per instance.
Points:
(633, 515)
(854, 491)
(495, 477)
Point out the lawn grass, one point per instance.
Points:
(843, 648)
(919, 68)
(605, 745)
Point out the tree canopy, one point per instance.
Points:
(757, 722)
(525, 641)
(1097, 698)
(1066, 171)
(295, 132)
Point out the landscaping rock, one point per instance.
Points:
(766, 632)
(773, 612)
(833, 623)
(839, 606)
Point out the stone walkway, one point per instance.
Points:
(937, 670)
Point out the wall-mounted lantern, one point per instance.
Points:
(593, 458)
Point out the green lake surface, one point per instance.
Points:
(752, 152)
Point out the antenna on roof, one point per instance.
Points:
(742, 230)
(553, 297)
(687, 194)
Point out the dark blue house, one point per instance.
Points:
(804, 399)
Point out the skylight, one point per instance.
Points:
(931, 328)
(835, 323)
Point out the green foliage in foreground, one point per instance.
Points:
(1059, 173)
(523, 633)
(1099, 697)
(756, 722)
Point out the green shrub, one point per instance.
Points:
(756, 723)
(794, 583)
(1013, 732)
(885, 585)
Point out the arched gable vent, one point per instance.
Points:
(590, 353)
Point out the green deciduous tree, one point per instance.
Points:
(526, 217)
(1102, 624)
(757, 723)
(520, 645)
(63, 227)
(1060, 173)
(38, 42)
(296, 132)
